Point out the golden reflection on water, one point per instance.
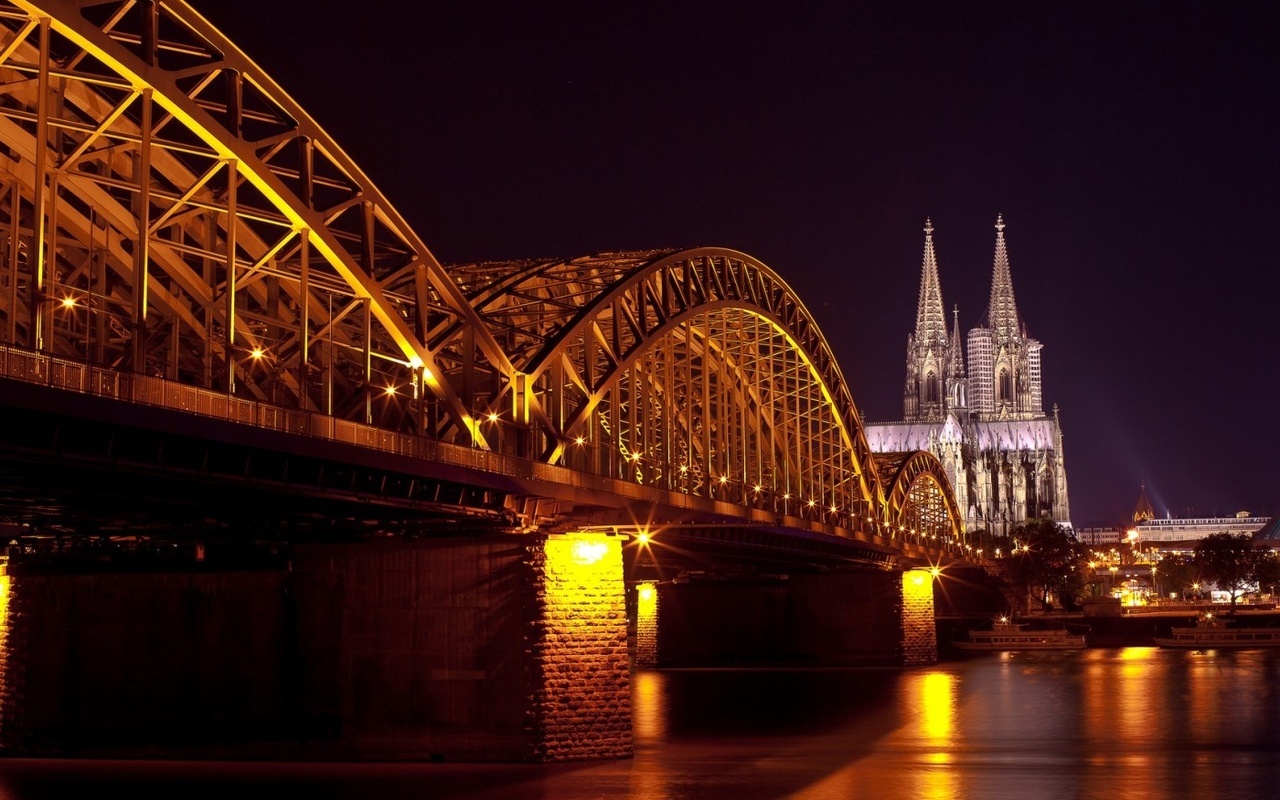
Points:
(929, 707)
(648, 707)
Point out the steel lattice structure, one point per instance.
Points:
(167, 210)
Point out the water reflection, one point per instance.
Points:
(1134, 722)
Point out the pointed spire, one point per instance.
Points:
(1002, 311)
(957, 349)
(931, 322)
(1144, 510)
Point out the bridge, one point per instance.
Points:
(219, 341)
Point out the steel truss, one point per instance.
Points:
(166, 209)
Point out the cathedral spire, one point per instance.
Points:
(957, 351)
(1002, 311)
(931, 322)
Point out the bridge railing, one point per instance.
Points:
(76, 376)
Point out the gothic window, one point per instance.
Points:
(931, 388)
(1004, 386)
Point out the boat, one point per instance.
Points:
(1211, 632)
(1005, 634)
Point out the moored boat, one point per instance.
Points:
(1007, 635)
(1211, 632)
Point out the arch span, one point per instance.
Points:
(699, 370)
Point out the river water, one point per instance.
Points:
(1118, 723)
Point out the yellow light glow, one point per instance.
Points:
(415, 362)
(645, 594)
(812, 503)
(390, 390)
(493, 417)
(642, 537)
(724, 478)
(588, 552)
(68, 302)
(757, 488)
(936, 571)
(257, 353)
(579, 440)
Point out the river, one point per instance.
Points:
(1116, 723)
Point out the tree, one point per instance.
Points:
(1048, 560)
(1180, 572)
(1231, 561)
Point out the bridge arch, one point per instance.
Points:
(919, 502)
(216, 234)
(699, 370)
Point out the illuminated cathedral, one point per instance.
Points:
(982, 416)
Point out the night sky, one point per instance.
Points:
(1131, 147)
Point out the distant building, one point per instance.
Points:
(1100, 535)
(983, 417)
(1182, 533)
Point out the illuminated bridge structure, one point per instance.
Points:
(197, 284)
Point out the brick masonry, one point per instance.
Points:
(919, 627)
(580, 680)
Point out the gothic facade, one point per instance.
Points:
(982, 416)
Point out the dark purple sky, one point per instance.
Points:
(1132, 148)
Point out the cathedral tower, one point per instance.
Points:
(1004, 363)
(930, 354)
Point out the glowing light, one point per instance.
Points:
(390, 390)
(493, 416)
(415, 362)
(644, 593)
(683, 469)
(812, 503)
(757, 488)
(257, 353)
(580, 440)
(634, 457)
(936, 571)
(68, 302)
(724, 478)
(588, 552)
(642, 537)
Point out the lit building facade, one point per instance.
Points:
(982, 417)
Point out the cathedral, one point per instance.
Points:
(982, 416)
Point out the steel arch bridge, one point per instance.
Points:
(167, 210)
